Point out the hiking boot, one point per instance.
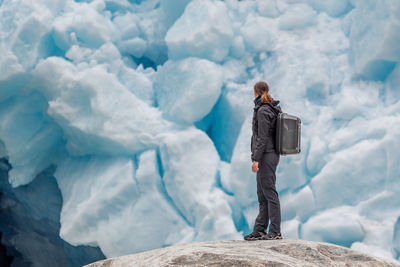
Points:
(254, 236)
(272, 236)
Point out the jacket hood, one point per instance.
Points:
(273, 104)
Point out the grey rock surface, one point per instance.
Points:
(286, 252)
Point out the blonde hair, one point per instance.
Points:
(262, 89)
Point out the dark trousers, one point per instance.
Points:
(268, 199)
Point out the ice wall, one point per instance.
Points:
(30, 224)
(144, 108)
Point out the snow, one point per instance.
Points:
(93, 118)
(125, 196)
(344, 230)
(374, 43)
(144, 109)
(334, 8)
(254, 28)
(180, 89)
(297, 17)
(300, 205)
(204, 24)
(30, 137)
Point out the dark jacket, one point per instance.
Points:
(264, 127)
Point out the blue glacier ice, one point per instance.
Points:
(178, 83)
(125, 125)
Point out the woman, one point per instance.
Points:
(265, 161)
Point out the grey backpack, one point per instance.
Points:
(288, 132)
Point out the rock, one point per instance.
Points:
(286, 252)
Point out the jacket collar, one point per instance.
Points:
(257, 102)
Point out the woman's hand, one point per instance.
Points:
(254, 167)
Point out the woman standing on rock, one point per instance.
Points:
(265, 161)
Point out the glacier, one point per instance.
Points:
(125, 125)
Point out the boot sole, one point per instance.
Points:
(253, 239)
(274, 238)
